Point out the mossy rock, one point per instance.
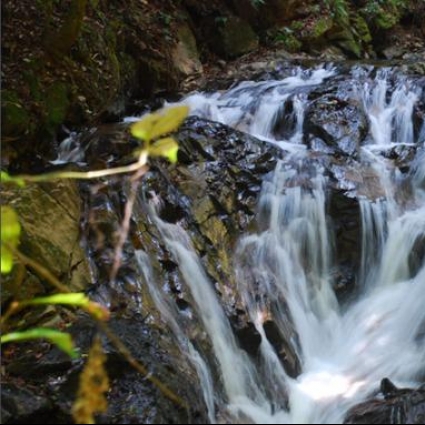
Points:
(312, 31)
(15, 118)
(361, 29)
(57, 104)
(233, 37)
(351, 47)
(382, 16)
(49, 215)
(185, 54)
(285, 37)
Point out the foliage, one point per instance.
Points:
(94, 383)
(159, 124)
(384, 13)
(340, 11)
(286, 37)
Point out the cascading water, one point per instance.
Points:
(284, 269)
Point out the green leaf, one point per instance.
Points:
(77, 299)
(6, 260)
(160, 123)
(6, 178)
(10, 232)
(166, 148)
(61, 339)
(143, 128)
(170, 120)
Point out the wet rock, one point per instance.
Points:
(400, 406)
(339, 122)
(47, 393)
(249, 339)
(284, 351)
(215, 214)
(20, 405)
(345, 213)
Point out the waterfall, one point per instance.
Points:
(283, 269)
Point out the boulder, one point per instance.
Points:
(185, 54)
(231, 37)
(49, 214)
(399, 406)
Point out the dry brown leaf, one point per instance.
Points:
(94, 384)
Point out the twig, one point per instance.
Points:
(125, 226)
(89, 175)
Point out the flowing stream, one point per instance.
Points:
(283, 269)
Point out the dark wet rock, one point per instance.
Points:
(46, 394)
(215, 214)
(338, 122)
(20, 404)
(283, 349)
(400, 406)
(249, 339)
(345, 213)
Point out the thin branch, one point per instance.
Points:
(125, 225)
(89, 175)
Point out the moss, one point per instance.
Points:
(383, 15)
(351, 46)
(15, 118)
(312, 30)
(234, 38)
(321, 26)
(386, 20)
(362, 29)
(288, 40)
(56, 104)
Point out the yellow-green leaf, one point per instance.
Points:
(62, 340)
(142, 129)
(6, 178)
(160, 123)
(6, 260)
(10, 232)
(166, 148)
(170, 120)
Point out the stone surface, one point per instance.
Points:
(51, 379)
(185, 54)
(399, 406)
(232, 37)
(49, 214)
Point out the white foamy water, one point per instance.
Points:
(283, 269)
